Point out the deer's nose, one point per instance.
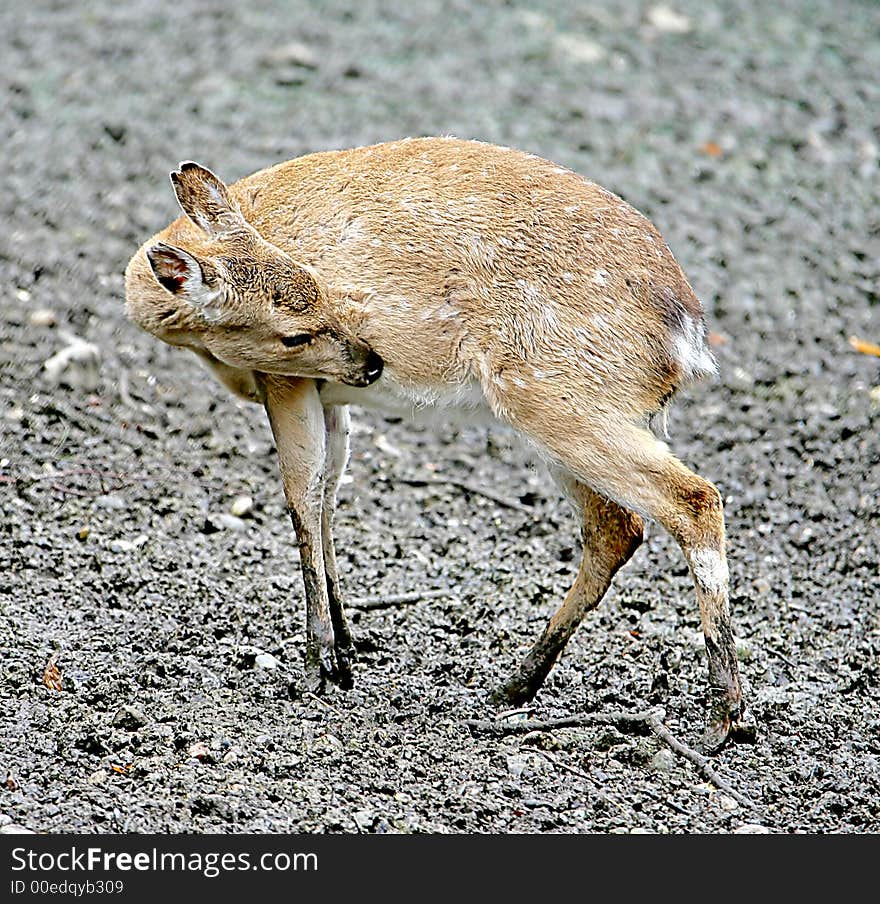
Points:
(373, 367)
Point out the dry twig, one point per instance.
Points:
(649, 721)
(398, 599)
(471, 489)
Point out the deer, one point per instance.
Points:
(458, 276)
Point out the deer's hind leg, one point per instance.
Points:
(629, 465)
(610, 536)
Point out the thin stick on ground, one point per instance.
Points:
(472, 489)
(580, 774)
(702, 763)
(574, 771)
(649, 721)
(632, 721)
(399, 599)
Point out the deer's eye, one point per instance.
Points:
(297, 340)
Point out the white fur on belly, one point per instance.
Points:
(465, 400)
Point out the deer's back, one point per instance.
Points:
(531, 260)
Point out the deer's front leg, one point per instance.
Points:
(297, 420)
(336, 424)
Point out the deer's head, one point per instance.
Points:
(223, 289)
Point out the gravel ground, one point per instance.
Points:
(747, 131)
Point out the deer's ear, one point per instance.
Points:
(205, 199)
(177, 270)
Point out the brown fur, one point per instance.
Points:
(481, 276)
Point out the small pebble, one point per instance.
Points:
(128, 545)
(214, 523)
(293, 54)
(664, 18)
(110, 501)
(364, 820)
(266, 661)
(43, 317)
(201, 752)
(12, 828)
(741, 379)
(516, 765)
(543, 740)
(726, 803)
(241, 506)
(77, 365)
(662, 761)
(579, 48)
(751, 828)
(327, 743)
(129, 717)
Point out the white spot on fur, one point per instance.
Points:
(600, 278)
(710, 570)
(352, 232)
(568, 277)
(482, 252)
(689, 349)
(531, 292)
(447, 312)
(548, 316)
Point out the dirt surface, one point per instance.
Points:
(747, 131)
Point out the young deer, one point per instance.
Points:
(455, 274)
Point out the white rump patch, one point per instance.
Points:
(689, 349)
(710, 570)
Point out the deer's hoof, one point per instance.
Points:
(729, 722)
(514, 692)
(343, 674)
